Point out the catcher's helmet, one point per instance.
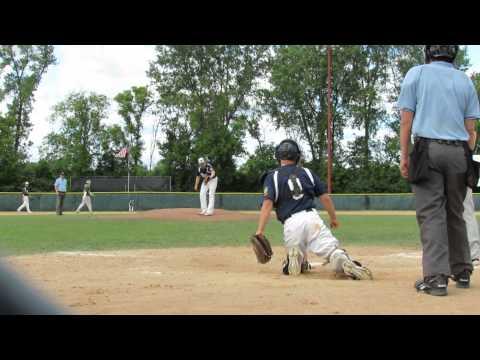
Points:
(439, 51)
(288, 150)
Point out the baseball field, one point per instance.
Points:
(174, 261)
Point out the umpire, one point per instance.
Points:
(442, 105)
(61, 189)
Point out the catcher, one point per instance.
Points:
(291, 190)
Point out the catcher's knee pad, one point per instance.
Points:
(337, 257)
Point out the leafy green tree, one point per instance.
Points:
(177, 157)
(23, 67)
(76, 145)
(133, 104)
(112, 140)
(297, 99)
(257, 164)
(9, 161)
(207, 92)
(476, 82)
(370, 66)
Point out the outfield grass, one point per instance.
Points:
(45, 233)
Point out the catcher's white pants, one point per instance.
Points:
(307, 231)
(210, 187)
(472, 225)
(25, 204)
(86, 200)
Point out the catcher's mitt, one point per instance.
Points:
(261, 247)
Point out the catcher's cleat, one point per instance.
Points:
(304, 268)
(433, 285)
(356, 271)
(285, 266)
(294, 265)
(462, 279)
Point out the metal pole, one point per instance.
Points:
(329, 121)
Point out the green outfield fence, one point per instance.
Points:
(229, 201)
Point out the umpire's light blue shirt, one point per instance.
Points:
(61, 184)
(441, 97)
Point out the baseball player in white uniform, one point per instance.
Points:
(472, 227)
(87, 197)
(209, 178)
(472, 224)
(25, 199)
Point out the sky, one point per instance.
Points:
(110, 69)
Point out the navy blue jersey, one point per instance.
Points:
(296, 191)
(206, 171)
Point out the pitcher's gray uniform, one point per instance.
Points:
(25, 199)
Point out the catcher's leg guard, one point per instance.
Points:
(294, 261)
(353, 269)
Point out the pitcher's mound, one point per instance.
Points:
(193, 215)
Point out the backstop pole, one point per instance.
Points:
(329, 121)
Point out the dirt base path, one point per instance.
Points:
(227, 280)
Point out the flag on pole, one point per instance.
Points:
(123, 153)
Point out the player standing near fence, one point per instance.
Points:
(439, 106)
(87, 197)
(25, 199)
(209, 178)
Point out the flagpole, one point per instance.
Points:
(128, 174)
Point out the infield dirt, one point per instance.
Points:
(227, 280)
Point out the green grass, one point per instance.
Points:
(45, 233)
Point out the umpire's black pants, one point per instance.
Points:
(439, 207)
(60, 200)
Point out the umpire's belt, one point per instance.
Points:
(289, 216)
(441, 141)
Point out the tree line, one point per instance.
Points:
(206, 100)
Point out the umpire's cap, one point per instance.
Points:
(441, 51)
